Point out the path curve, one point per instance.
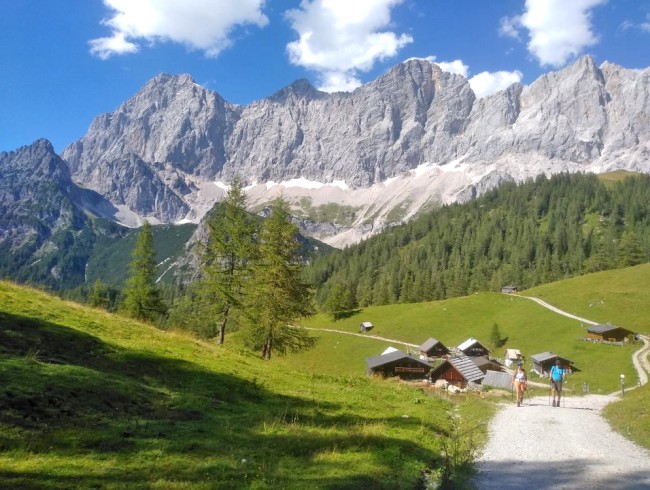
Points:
(364, 335)
(639, 358)
(557, 310)
(539, 446)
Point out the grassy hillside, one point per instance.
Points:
(526, 326)
(620, 296)
(90, 399)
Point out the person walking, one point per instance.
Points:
(519, 380)
(557, 375)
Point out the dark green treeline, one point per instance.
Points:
(532, 233)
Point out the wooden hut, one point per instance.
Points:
(495, 379)
(473, 348)
(365, 327)
(609, 333)
(485, 364)
(512, 356)
(397, 363)
(543, 362)
(509, 289)
(433, 348)
(458, 371)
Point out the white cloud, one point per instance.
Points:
(339, 38)
(198, 24)
(485, 83)
(643, 26)
(456, 66)
(488, 83)
(509, 26)
(559, 30)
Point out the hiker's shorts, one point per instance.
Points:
(557, 385)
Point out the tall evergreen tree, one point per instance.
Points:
(227, 256)
(279, 296)
(142, 298)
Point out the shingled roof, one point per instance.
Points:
(605, 328)
(497, 380)
(464, 365)
(429, 344)
(376, 361)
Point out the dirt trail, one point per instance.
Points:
(571, 447)
(538, 446)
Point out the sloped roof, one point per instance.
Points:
(482, 361)
(513, 354)
(376, 361)
(366, 324)
(605, 328)
(465, 366)
(429, 344)
(547, 356)
(469, 343)
(497, 380)
(389, 350)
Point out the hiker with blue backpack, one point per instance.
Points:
(557, 375)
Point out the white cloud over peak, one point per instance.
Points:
(339, 38)
(198, 24)
(559, 30)
(485, 83)
(488, 83)
(456, 66)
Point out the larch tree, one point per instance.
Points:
(278, 294)
(142, 298)
(227, 256)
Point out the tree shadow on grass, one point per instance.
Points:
(72, 397)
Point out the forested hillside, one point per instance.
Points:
(528, 234)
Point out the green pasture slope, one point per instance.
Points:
(94, 400)
(620, 296)
(523, 324)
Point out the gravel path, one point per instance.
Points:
(537, 446)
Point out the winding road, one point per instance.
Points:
(569, 447)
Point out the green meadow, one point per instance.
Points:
(522, 323)
(95, 400)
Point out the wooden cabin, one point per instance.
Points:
(433, 349)
(609, 333)
(365, 327)
(495, 379)
(473, 348)
(397, 363)
(512, 356)
(485, 364)
(458, 371)
(509, 289)
(543, 362)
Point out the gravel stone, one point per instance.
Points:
(537, 446)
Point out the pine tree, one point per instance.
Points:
(142, 298)
(99, 296)
(278, 294)
(227, 256)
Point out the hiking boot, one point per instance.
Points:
(553, 402)
(558, 403)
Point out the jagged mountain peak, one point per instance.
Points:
(414, 120)
(301, 88)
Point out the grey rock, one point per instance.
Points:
(158, 152)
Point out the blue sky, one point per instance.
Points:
(64, 62)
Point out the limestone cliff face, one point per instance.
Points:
(159, 153)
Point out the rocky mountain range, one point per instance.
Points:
(353, 163)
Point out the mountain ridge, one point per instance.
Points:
(416, 125)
